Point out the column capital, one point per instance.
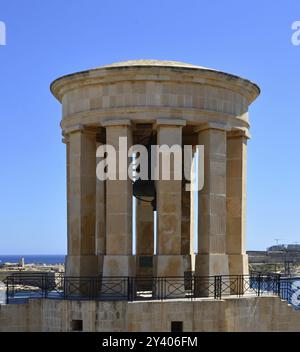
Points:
(78, 128)
(214, 125)
(170, 122)
(116, 122)
(239, 132)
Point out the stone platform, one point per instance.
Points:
(266, 313)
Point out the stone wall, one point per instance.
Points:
(234, 314)
(272, 257)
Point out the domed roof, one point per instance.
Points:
(147, 62)
(62, 84)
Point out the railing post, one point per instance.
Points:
(128, 291)
(215, 287)
(193, 285)
(65, 286)
(46, 285)
(92, 293)
(7, 292)
(134, 285)
(131, 288)
(99, 283)
(239, 286)
(13, 286)
(160, 285)
(258, 284)
(92, 288)
(278, 284)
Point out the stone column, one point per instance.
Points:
(186, 227)
(186, 239)
(192, 231)
(169, 260)
(118, 260)
(187, 208)
(81, 259)
(144, 244)
(100, 221)
(66, 141)
(236, 202)
(212, 258)
(144, 237)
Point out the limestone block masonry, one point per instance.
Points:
(232, 314)
(175, 103)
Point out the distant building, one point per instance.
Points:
(276, 254)
(276, 248)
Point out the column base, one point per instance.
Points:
(82, 276)
(119, 265)
(239, 271)
(211, 264)
(169, 276)
(100, 263)
(207, 266)
(116, 282)
(169, 265)
(82, 265)
(238, 264)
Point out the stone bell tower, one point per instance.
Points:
(177, 104)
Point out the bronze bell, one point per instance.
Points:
(146, 188)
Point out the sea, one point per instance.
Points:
(33, 259)
(28, 259)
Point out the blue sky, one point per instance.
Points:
(46, 39)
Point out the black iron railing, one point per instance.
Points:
(22, 287)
